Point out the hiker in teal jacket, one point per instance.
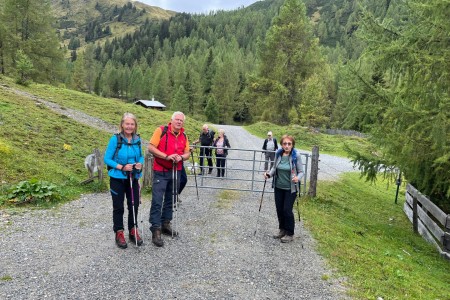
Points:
(124, 159)
(286, 172)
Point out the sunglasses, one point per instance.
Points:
(287, 144)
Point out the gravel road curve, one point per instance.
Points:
(68, 252)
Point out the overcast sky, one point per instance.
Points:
(198, 6)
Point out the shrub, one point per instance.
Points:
(33, 191)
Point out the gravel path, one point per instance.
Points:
(69, 252)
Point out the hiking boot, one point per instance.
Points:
(280, 234)
(134, 235)
(287, 238)
(167, 229)
(120, 239)
(156, 238)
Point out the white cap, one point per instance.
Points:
(269, 133)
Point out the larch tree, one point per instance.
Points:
(410, 83)
(28, 26)
(289, 55)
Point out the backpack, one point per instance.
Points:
(119, 145)
(211, 134)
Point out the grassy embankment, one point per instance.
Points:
(37, 143)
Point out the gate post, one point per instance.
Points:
(148, 170)
(314, 171)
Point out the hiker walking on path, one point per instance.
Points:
(206, 139)
(170, 147)
(123, 157)
(286, 172)
(221, 144)
(270, 146)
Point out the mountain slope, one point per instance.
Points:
(82, 21)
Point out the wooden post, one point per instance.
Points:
(100, 164)
(314, 171)
(415, 215)
(148, 170)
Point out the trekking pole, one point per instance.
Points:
(174, 189)
(140, 204)
(132, 204)
(195, 175)
(176, 199)
(298, 201)
(260, 205)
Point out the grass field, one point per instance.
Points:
(368, 239)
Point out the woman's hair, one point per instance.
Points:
(221, 130)
(128, 115)
(288, 137)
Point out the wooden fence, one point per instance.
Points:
(428, 220)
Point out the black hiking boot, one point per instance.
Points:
(156, 238)
(167, 229)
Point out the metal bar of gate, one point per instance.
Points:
(240, 166)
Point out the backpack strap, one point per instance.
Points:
(119, 144)
(163, 133)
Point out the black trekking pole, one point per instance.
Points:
(298, 201)
(195, 175)
(174, 191)
(132, 204)
(260, 205)
(140, 205)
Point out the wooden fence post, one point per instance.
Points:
(415, 216)
(100, 164)
(314, 171)
(148, 170)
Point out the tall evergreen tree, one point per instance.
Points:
(28, 26)
(289, 56)
(409, 84)
(180, 101)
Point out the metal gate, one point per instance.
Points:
(244, 171)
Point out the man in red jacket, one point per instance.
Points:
(170, 147)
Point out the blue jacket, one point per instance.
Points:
(296, 168)
(129, 153)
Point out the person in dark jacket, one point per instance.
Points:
(270, 146)
(286, 172)
(206, 140)
(123, 163)
(221, 144)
